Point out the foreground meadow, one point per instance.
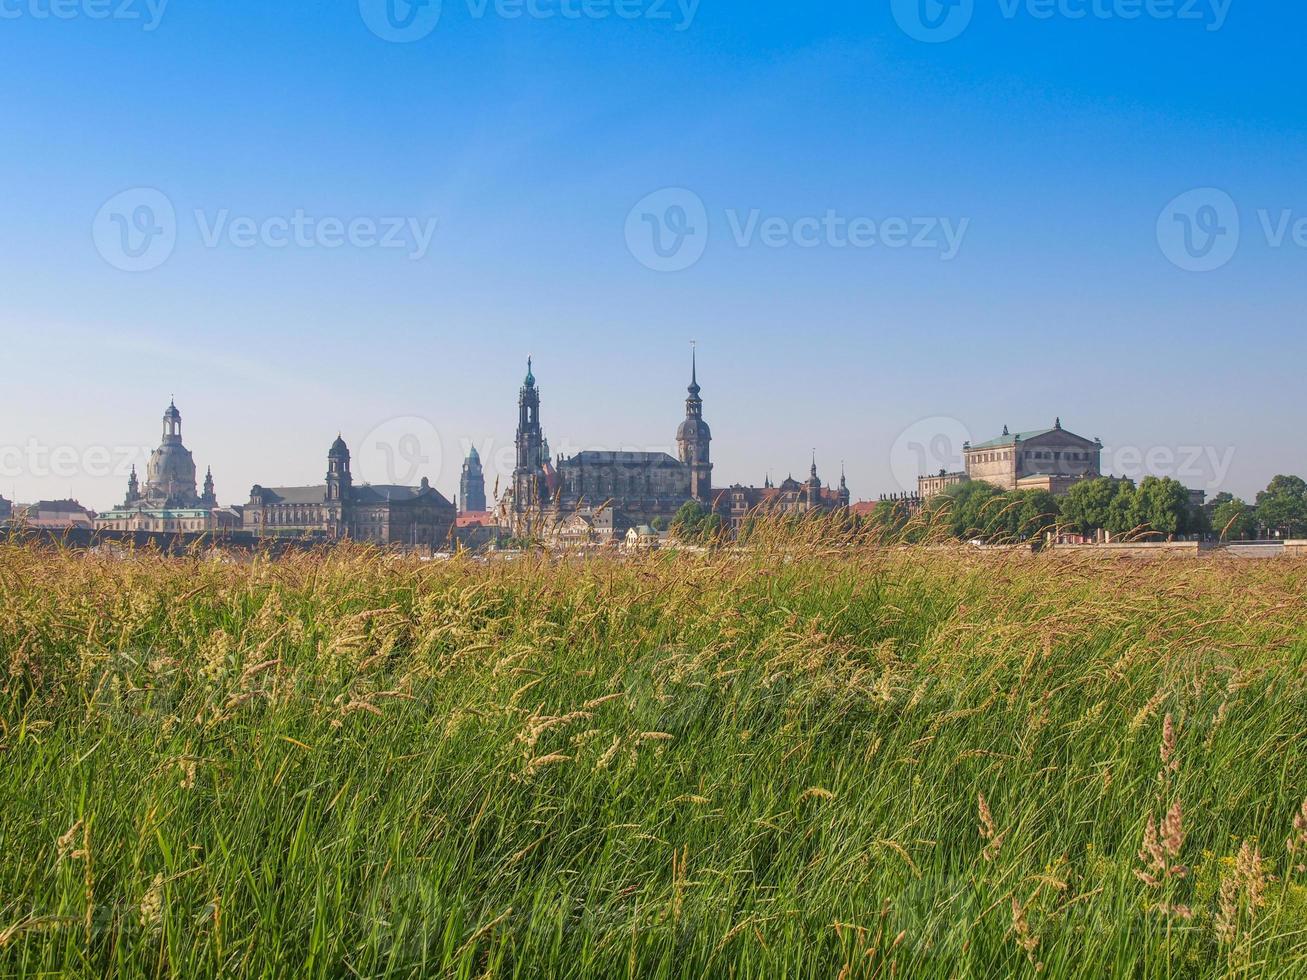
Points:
(775, 763)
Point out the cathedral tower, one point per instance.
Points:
(532, 453)
(693, 439)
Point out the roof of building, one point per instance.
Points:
(475, 519)
(361, 493)
(595, 457)
(1011, 438)
(58, 507)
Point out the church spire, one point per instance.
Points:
(693, 436)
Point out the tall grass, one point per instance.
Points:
(790, 760)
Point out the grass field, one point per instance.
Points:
(775, 763)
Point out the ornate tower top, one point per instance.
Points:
(172, 421)
(530, 376)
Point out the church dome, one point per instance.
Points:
(693, 430)
(170, 473)
(338, 449)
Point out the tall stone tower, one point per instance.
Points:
(339, 480)
(529, 491)
(209, 498)
(472, 486)
(339, 484)
(693, 439)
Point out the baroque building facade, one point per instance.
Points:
(410, 517)
(1043, 459)
(168, 501)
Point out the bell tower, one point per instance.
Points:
(694, 438)
(532, 451)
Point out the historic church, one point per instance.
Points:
(168, 501)
(642, 486)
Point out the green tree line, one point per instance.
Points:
(1155, 508)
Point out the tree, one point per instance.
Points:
(966, 510)
(1162, 505)
(1282, 506)
(1038, 511)
(1105, 503)
(1233, 519)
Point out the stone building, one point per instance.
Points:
(412, 517)
(6, 509)
(642, 486)
(472, 485)
(1044, 459)
(168, 501)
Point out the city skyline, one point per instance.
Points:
(404, 450)
(1044, 164)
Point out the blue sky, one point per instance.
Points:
(1050, 144)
